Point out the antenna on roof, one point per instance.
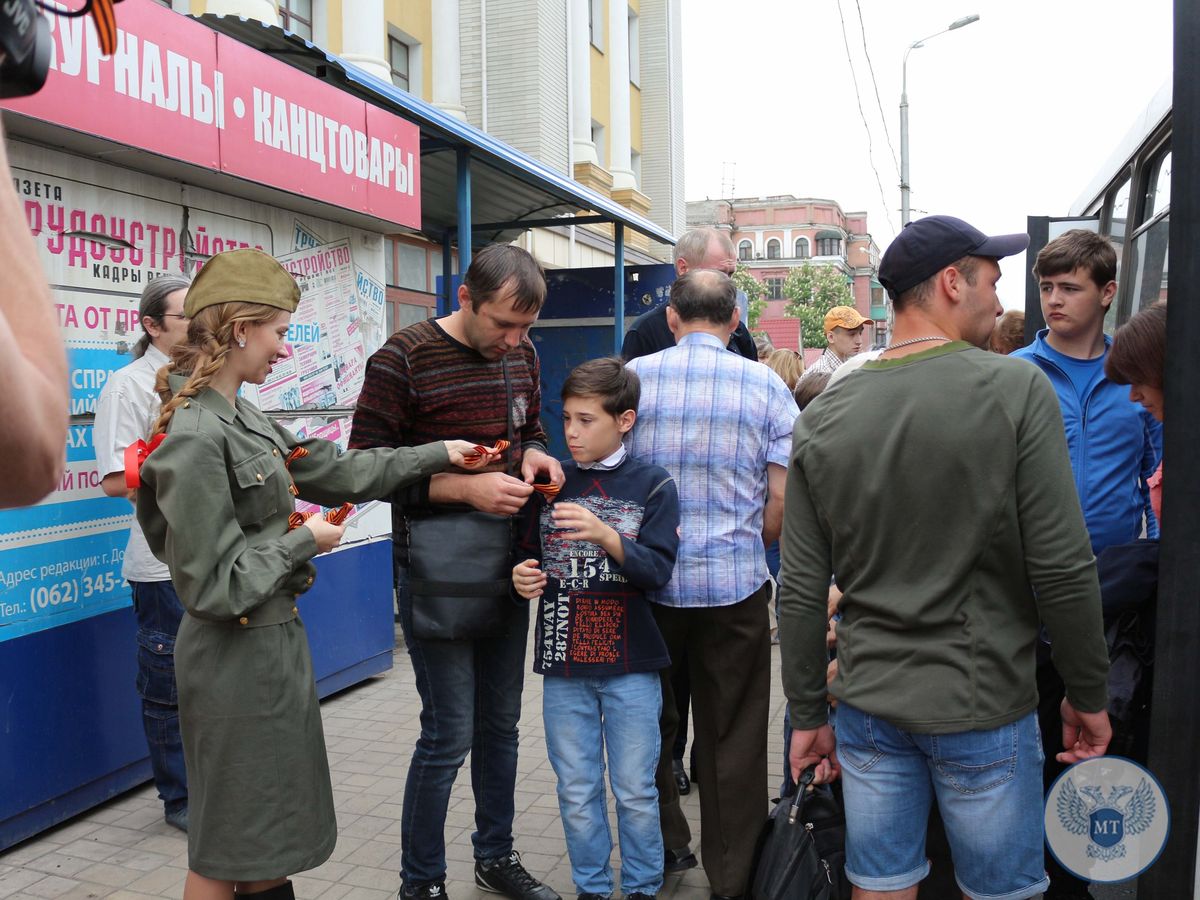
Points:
(728, 178)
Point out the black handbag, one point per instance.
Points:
(460, 572)
(801, 853)
(460, 567)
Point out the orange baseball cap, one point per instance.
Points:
(844, 317)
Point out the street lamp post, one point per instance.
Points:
(905, 211)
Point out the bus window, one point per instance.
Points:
(1118, 217)
(1148, 265)
(1158, 189)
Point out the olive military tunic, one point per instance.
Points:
(214, 506)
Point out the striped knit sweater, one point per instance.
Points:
(422, 385)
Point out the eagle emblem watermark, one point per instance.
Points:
(1106, 819)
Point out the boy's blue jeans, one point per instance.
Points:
(159, 612)
(584, 718)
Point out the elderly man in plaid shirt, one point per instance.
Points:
(722, 426)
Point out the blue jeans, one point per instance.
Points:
(988, 786)
(470, 702)
(159, 612)
(585, 717)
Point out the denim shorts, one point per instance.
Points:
(988, 786)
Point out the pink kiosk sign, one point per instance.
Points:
(177, 88)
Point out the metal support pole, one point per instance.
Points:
(1175, 719)
(618, 287)
(905, 211)
(905, 207)
(446, 298)
(464, 209)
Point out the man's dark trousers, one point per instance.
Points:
(470, 702)
(728, 654)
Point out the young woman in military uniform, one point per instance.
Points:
(214, 504)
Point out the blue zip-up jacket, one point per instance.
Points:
(1115, 446)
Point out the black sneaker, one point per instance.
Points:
(433, 890)
(640, 896)
(505, 875)
(586, 896)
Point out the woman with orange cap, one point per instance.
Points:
(215, 501)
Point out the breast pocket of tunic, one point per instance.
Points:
(258, 488)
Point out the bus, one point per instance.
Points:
(1154, 172)
(1129, 202)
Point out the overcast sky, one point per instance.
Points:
(1008, 117)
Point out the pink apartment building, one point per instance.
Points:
(774, 234)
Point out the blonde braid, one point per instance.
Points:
(203, 354)
(204, 361)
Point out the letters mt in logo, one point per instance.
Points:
(1106, 820)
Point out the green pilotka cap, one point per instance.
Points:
(248, 276)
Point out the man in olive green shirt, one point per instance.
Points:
(936, 484)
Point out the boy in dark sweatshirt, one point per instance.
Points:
(609, 535)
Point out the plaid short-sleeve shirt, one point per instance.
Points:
(714, 420)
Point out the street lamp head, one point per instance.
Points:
(904, 185)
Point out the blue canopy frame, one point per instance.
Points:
(521, 191)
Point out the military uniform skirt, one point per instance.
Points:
(260, 803)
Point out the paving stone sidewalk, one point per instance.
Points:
(124, 851)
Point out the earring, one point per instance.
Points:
(242, 343)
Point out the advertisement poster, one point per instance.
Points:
(328, 359)
(60, 561)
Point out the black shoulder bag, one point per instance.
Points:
(460, 566)
(801, 852)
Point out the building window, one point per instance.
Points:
(635, 62)
(600, 142)
(400, 315)
(745, 250)
(398, 58)
(596, 23)
(774, 288)
(829, 246)
(801, 248)
(409, 266)
(296, 16)
(774, 249)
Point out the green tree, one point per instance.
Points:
(811, 291)
(754, 290)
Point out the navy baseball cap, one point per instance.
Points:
(925, 247)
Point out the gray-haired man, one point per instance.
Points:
(700, 248)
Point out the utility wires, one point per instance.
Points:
(863, 115)
(883, 118)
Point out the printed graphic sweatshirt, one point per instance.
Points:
(594, 618)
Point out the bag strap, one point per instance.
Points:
(508, 418)
(797, 804)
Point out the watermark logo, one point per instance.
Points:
(1106, 819)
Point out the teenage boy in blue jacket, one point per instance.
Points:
(611, 534)
(1114, 444)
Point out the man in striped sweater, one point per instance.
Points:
(452, 376)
